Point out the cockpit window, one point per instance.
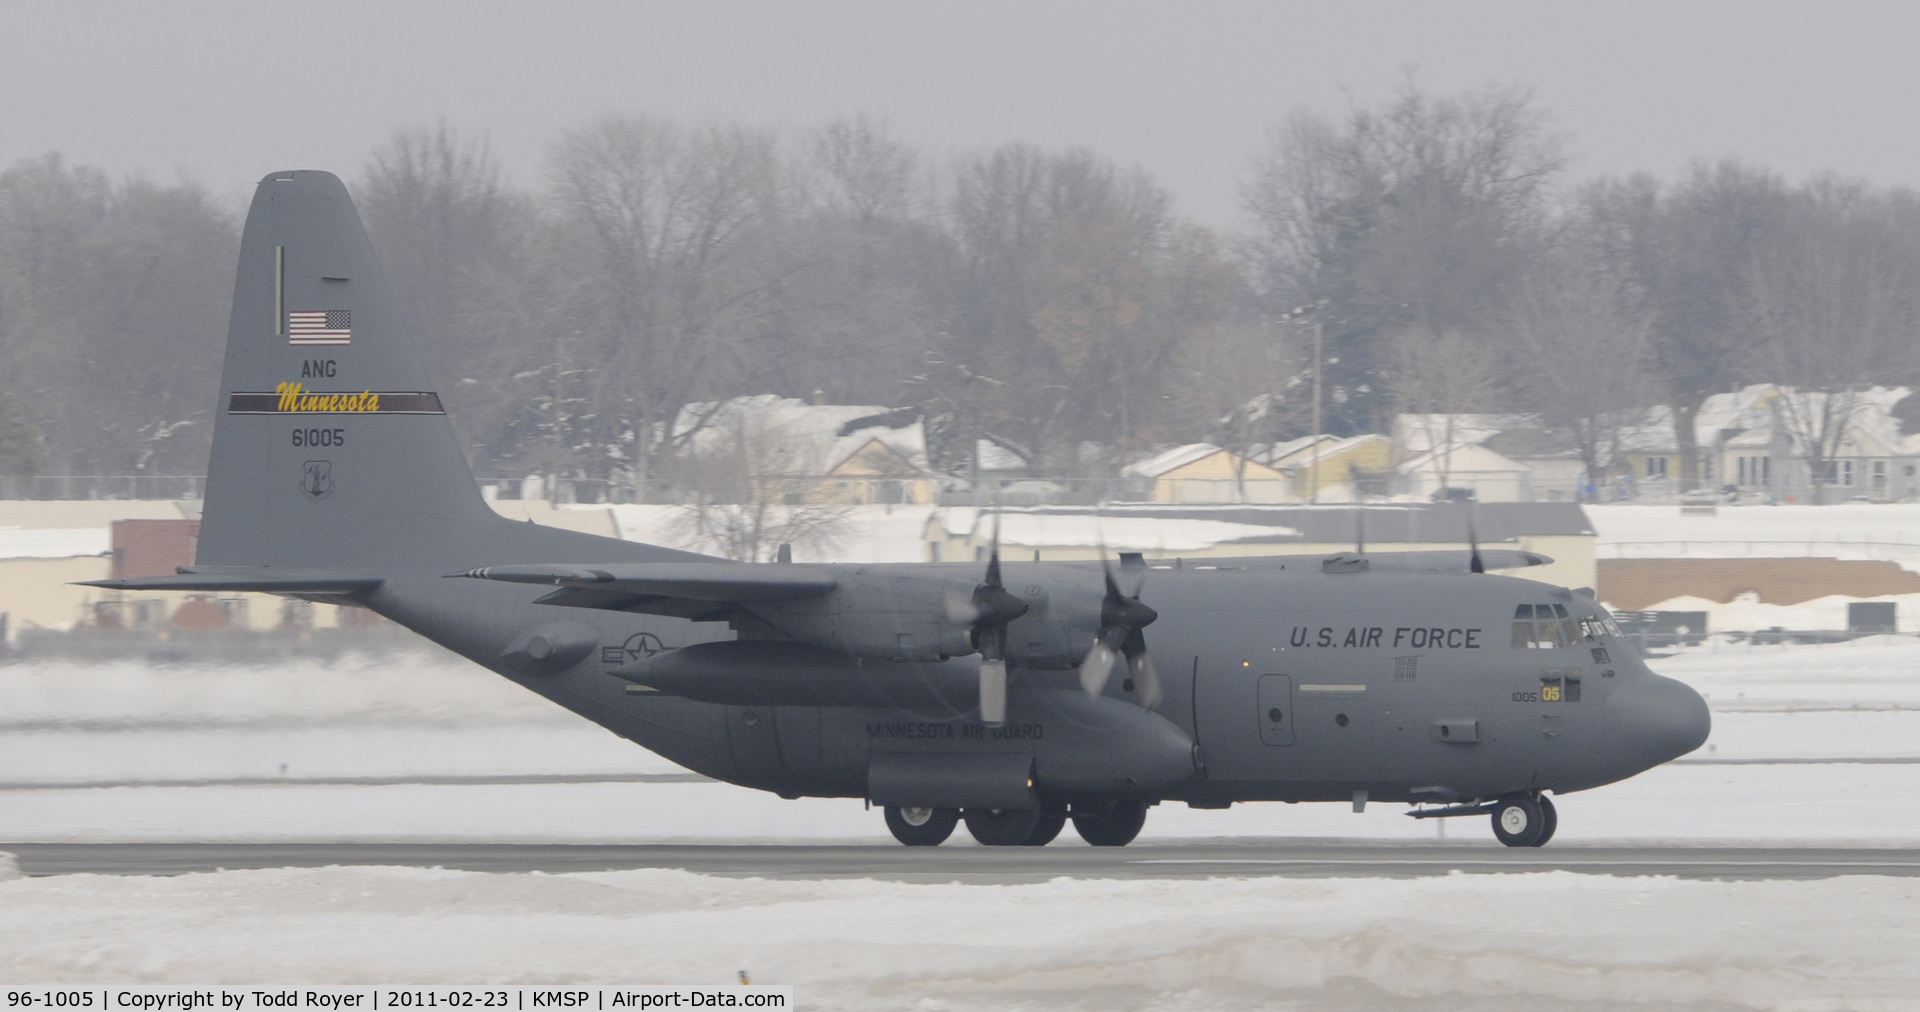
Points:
(1540, 627)
(1550, 626)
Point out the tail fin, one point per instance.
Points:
(330, 445)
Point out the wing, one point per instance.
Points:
(693, 590)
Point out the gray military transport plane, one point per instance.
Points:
(943, 692)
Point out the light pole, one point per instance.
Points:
(1315, 470)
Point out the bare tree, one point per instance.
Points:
(1407, 215)
(469, 262)
(1687, 252)
(113, 310)
(1831, 303)
(660, 229)
(752, 491)
(1440, 375)
(1579, 342)
(20, 446)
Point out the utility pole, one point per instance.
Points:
(1315, 471)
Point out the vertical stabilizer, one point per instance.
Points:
(330, 444)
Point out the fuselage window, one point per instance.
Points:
(1560, 685)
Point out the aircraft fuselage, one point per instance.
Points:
(1280, 685)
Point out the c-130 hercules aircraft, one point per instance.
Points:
(943, 692)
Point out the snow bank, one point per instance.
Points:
(1746, 612)
(1488, 941)
(422, 688)
(53, 542)
(869, 533)
(1736, 526)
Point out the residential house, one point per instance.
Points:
(1205, 473)
(1335, 469)
(1464, 471)
(1755, 441)
(786, 450)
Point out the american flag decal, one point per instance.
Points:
(319, 326)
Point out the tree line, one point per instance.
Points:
(1049, 301)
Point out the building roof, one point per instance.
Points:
(1463, 459)
(991, 456)
(1416, 434)
(1268, 453)
(1170, 460)
(1329, 447)
(790, 436)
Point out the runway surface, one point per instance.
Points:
(985, 865)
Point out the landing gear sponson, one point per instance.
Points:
(1108, 824)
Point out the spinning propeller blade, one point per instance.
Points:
(1474, 563)
(987, 611)
(1121, 619)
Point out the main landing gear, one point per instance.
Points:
(922, 827)
(1108, 824)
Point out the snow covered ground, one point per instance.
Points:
(132, 753)
(1456, 942)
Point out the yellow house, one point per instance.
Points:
(1361, 465)
(784, 450)
(1205, 473)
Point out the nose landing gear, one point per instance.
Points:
(1524, 820)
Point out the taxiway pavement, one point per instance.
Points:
(984, 865)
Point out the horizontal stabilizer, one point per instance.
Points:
(262, 580)
(684, 589)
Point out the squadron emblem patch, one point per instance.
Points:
(316, 479)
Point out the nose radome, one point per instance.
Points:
(1659, 718)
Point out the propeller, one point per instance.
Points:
(987, 611)
(1121, 619)
(1474, 563)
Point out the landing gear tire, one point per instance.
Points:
(1008, 827)
(1113, 826)
(921, 827)
(1044, 833)
(1549, 821)
(1518, 820)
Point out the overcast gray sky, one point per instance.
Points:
(228, 91)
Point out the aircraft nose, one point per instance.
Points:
(1659, 717)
